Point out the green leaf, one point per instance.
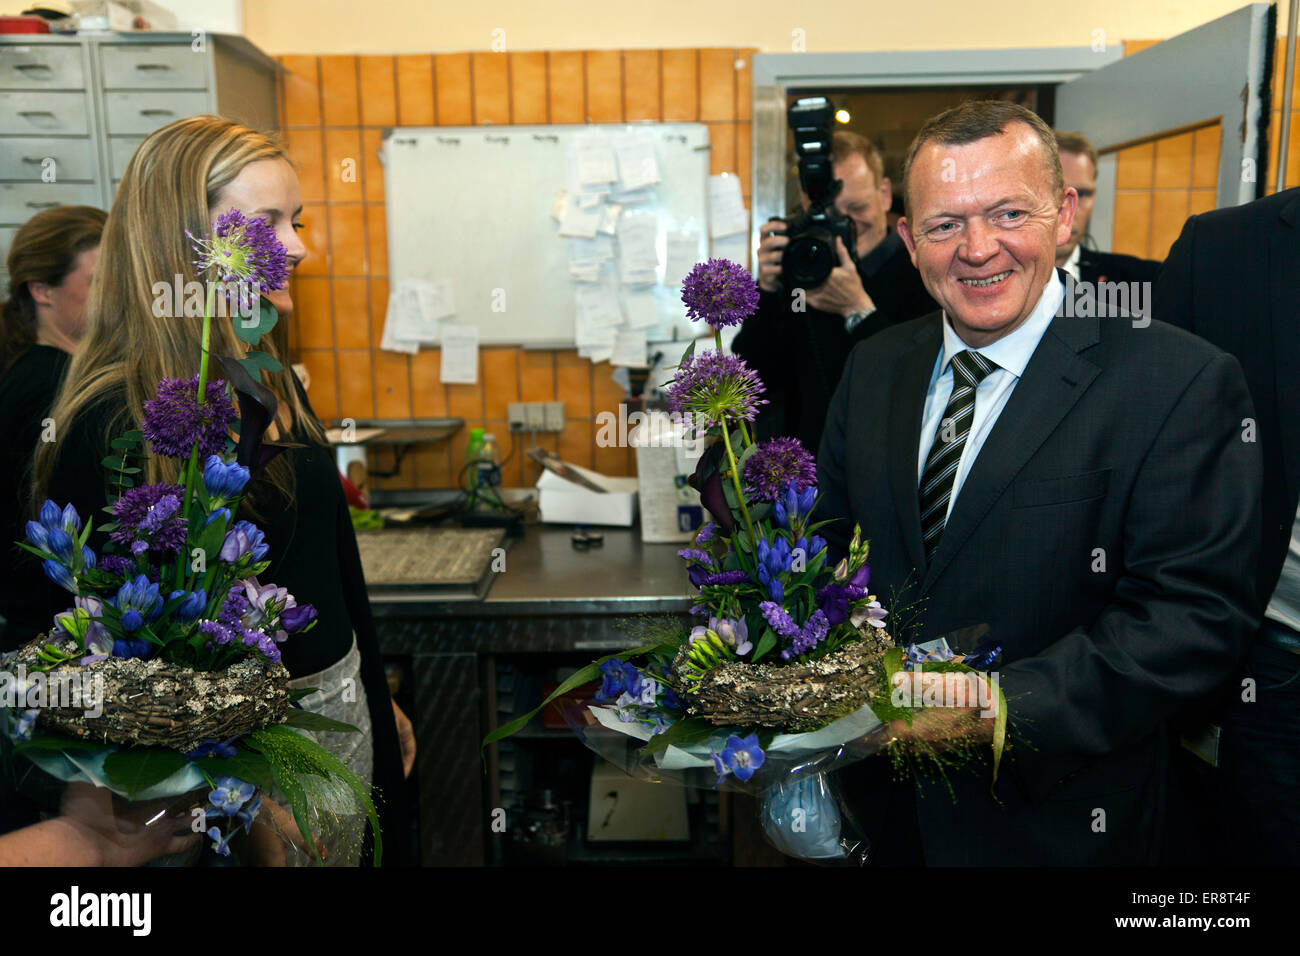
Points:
(299, 693)
(306, 720)
(690, 350)
(688, 730)
(112, 462)
(55, 742)
(125, 444)
(741, 541)
(765, 644)
(139, 769)
(246, 765)
(254, 362)
(211, 539)
(134, 435)
(261, 322)
(584, 675)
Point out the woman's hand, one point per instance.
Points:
(125, 834)
(406, 737)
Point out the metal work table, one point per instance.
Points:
(550, 599)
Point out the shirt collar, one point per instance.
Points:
(1072, 264)
(1012, 352)
(885, 250)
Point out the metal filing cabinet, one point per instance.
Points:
(74, 108)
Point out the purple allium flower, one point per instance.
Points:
(719, 292)
(150, 516)
(245, 255)
(776, 463)
(712, 386)
(742, 756)
(174, 420)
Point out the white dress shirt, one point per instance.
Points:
(1012, 353)
(1072, 264)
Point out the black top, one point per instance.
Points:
(1115, 267)
(27, 391)
(313, 553)
(799, 356)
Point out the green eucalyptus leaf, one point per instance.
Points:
(137, 769)
(251, 329)
(246, 765)
(307, 720)
(255, 362)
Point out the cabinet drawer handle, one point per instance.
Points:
(152, 66)
(50, 204)
(38, 160)
(36, 113)
(34, 66)
(156, 111)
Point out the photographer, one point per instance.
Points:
(798, 339)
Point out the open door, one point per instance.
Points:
(1172, 92)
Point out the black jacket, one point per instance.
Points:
(1233, 277)
(799, 356)
(1117, 437)
(1114, 267)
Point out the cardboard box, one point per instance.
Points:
(566, 502)
(623, 808)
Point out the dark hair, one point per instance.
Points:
(1076, 143)
(45, 250)
(980, 119)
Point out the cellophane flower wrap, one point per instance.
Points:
(162, 681)
(787, 670)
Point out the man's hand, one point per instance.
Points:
(842, 292)
(772, 242)
(941, 728)
(405, 736)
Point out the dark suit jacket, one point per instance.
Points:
(1253, 311)
(799, 357)
(1117, 438)
(1114, 267)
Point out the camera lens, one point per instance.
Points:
(807, 261)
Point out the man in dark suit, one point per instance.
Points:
(1076, 487)
(1233, 278)
(1079, 171)
(798, 343)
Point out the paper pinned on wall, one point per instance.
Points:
(587, 256)
(638, 259)
(639, 308)
(459, 354)
(579, 222)
(637, 166)
(559, 203)
(609, 219)
(403, 302)
(597, 305)
(594, 159)
(629, 347)
(735, 248)
(683, 254)
(596, 353)
(727, 213)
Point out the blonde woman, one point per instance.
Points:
(181, 178)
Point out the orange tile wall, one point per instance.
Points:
(1162, 181)
(333, 112)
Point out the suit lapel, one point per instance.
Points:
(1284, 270)
(1054, 380)
(907, 408)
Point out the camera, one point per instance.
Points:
(809, 258)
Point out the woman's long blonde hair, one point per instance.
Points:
(172, 184)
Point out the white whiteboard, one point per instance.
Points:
(473, 205)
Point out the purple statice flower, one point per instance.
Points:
(174, 420)
(705, 534)
(724, 578)
(244, 254)
(713, 387)
(793, 504)
(775, 464)
(742, 756)
(219, 633)
(719, 292)
(695, 554)
(117, 564)
(779, 620)
(148, 519)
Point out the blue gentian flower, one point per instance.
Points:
(243, 539)
(222, 513)
(230, 794)
(194, 603)
(60, 545)
(38, 535)
(51, 515)
(742, 756)
(223, 480)
(138, 594)
(59, 574)
(297, 618)
(88, 559)
(71, 520)
(130, 649)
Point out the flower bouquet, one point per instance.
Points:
(164, 678)
(790, 672)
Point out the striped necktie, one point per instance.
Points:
(968, 370)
